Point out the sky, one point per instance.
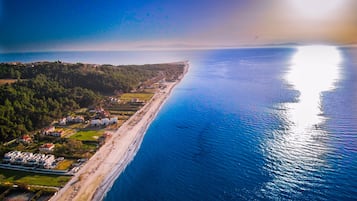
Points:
(50, 25)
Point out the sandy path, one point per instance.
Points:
(98, 174)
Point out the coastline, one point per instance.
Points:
(96, 177)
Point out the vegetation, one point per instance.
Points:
(72, 148)
(64, 165)
(28, 178)
(127, 97)
(45, 91)
(89, 135)
(33, 104)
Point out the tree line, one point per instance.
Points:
(49, 90)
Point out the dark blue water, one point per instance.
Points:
(246, 125)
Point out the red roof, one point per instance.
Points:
(26, 137)
(47, 145)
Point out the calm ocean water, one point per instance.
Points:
(248, 124)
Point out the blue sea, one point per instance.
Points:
(244, 124)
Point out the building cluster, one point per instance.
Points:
(104, 121)
(71, 120)
(52, 131)
(30, 159)
(100, 113)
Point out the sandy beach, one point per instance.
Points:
(95, 178)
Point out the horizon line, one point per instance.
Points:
(284, 45)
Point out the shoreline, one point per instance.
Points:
(97, 176)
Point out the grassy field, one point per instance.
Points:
(64, 165)
(87, 135)
(126, 97)
(28, 178)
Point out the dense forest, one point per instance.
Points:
(45, 91)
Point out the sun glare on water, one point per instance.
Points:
(295, 150)
(314, 69)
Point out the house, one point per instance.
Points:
(69, 119)
(96, 122)
(26, 139)
(105, 121)
(46, 148)
(57, 133)
(78, 119)
(52, 131)
(48, 130)
(63, 122)
(101, 113)
(113, 120)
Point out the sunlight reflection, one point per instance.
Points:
(294, 154)
(314, 69)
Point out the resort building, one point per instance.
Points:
(63, 122)
(29, 159)
(96, 122)
(71, 120)
(113, 120)
(52, 131)
(47, 148)
(105, 121)
(48, 130)
(78, 119)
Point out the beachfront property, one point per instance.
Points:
(104, 121)
(95, 122)
(46, 148)
(113, 120)
(52, 131)
(29, 159)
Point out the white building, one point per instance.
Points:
(113, 120)
(63, 122)
(96, 122)
(48, 130)
(105, 121)
(29, 159)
